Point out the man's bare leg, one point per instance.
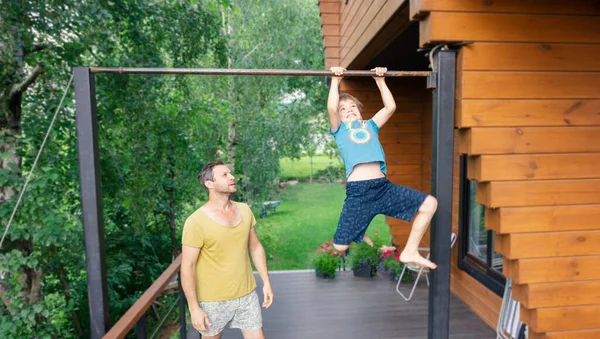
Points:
(254, 334)
(411, 254)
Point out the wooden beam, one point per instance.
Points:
(420, 8)
(529, 85)
(498, 113)
(505, 140)
(538, 193)
(542, 218)
(585, 334)
(576, 293)
(530, 57)
(385, 26)
(397, 138)
(559, 269)
(534, 167)
(548, 244)
(440, 27)
(403, 169)
(404, 159)
(563, 318)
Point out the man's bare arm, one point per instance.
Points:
(189, 257)
(259, 258)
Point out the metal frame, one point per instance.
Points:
(442, 164)
(442, 79)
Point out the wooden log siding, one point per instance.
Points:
(361, 23)
(330, 26)
(528, 117)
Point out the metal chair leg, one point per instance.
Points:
(414, 285)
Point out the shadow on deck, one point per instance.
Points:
(306, 307)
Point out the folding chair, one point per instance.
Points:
(509, 325)
(419, 269)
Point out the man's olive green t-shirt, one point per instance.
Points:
(223, 270)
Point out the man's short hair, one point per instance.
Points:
(207, 172)
(347, 96)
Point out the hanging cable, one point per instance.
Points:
(35, 162)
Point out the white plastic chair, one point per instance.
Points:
(509, 324)
(419, 269)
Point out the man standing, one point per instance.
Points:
(216, 273)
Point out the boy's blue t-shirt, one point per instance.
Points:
(358, 142)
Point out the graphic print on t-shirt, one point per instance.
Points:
(360, 135)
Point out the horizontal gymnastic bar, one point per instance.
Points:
(231, 71)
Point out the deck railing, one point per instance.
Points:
(136, 315)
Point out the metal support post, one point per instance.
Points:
(91, 200)
(444, 66)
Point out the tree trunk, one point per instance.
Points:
(232, 128)
(231, 144)
(11, 100)
(311, 169)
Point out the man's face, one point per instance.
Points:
(223, 181)
(348, 111)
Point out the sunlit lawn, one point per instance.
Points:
(300, 168)
(306, 218)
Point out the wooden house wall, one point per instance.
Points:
(528, 117)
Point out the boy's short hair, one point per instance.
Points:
(347, 96)
(207, 172)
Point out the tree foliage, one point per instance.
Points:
(155, 133)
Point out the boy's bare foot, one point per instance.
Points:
(416, 258)
(368, 240)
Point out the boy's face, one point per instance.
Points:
(348, 111)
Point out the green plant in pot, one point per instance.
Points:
(364, 258)
(326, 261)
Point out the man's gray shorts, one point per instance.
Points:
(243, 312)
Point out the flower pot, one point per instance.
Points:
(364, 271)
(324, 275)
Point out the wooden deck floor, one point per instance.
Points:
(306, 307)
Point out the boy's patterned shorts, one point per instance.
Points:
(243, 312)
(367, 198)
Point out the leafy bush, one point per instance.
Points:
(268, 238)
(365, 255)
(332, 173)
(326, 260)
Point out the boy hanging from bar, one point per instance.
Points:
(368, 191)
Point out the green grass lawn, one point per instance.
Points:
(306, 218)
(300, 168)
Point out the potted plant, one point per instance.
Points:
(365, 258)
(391, 264)
(325, 261)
